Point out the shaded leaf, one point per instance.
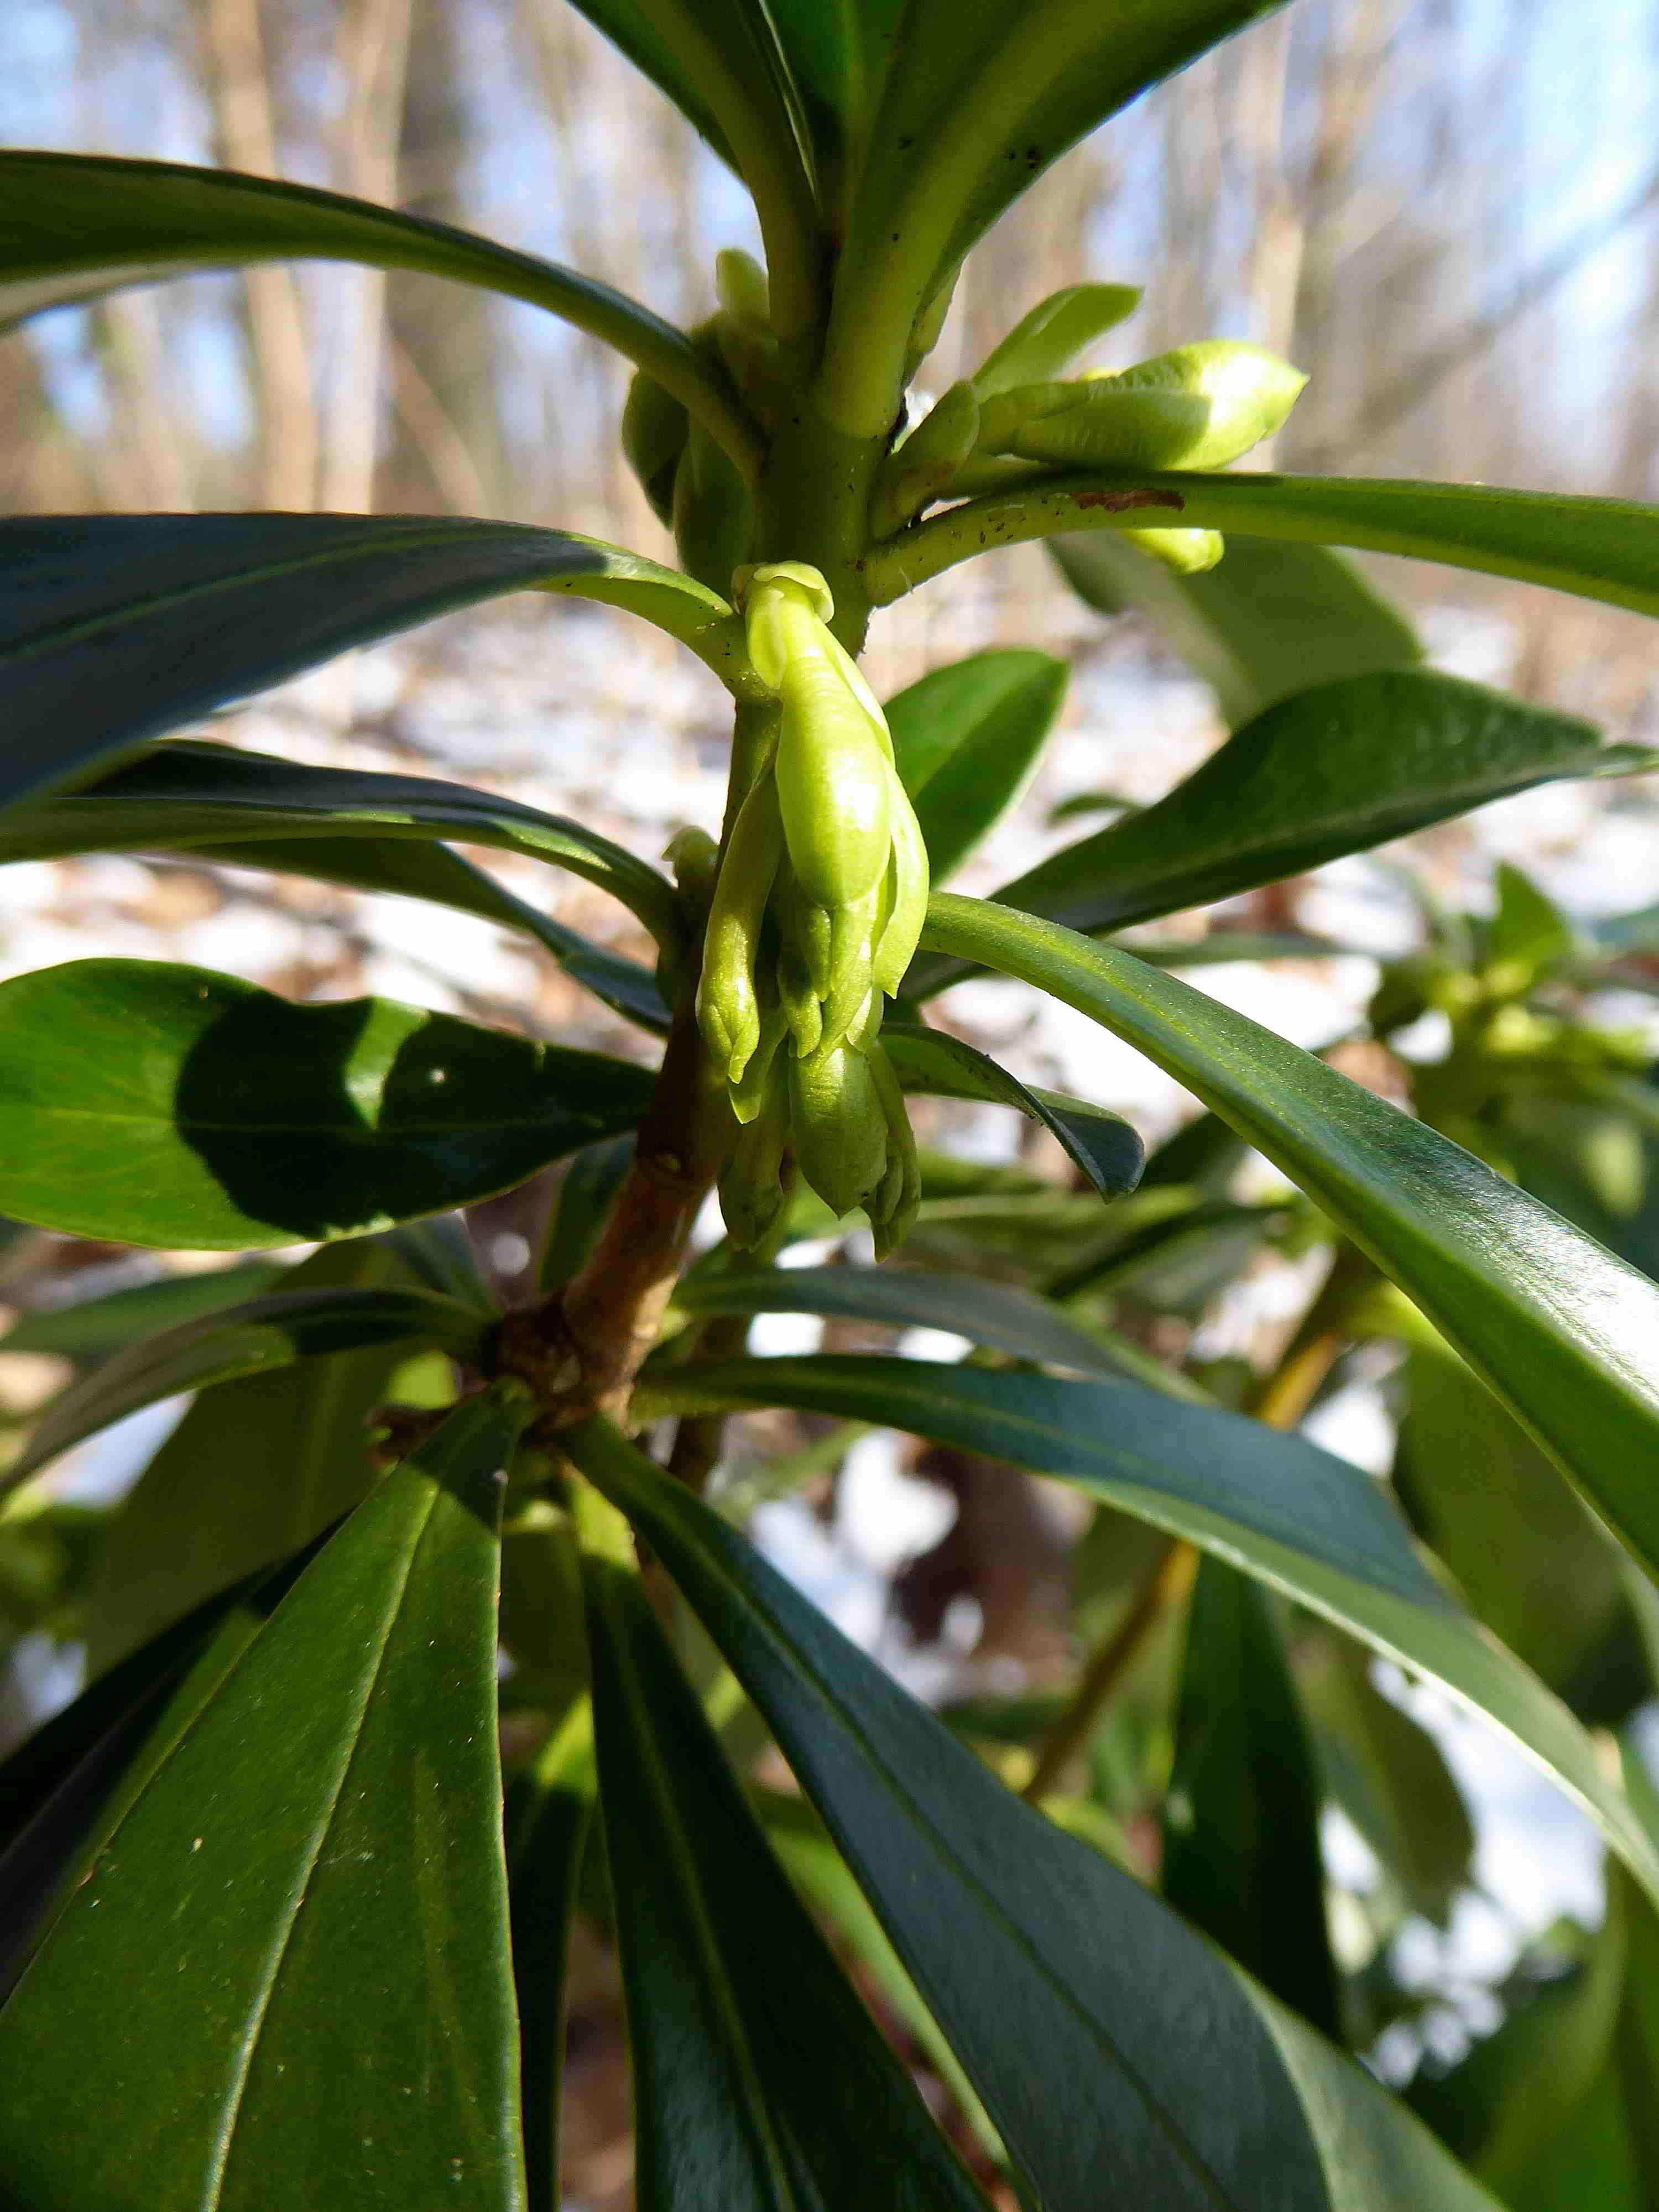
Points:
(263, 1335)
(760, 2080)
(1271, 618)
(1102, 1143)
(1241, 1819)
(1532, 1563)
(115, 629)
(1564, 1333)
(1105, 2038)
(256, 1468)
(965, 740)
(1390, 1776)
(182, 795)
(997, 1314)
(549, 1809)
(79, 224)
(155, 1104)
(91, 1328)
(1286, 1512)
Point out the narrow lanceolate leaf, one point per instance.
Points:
(94, 1328)
(78, 225)
(995, 1314)
(115, 629)
(966, 737)
(407, 868)
(1291, 1515)
(1566, 1334)
(1113, 2048)
(154, 1104)
(1600, 549)
(1105, 1146)
(548, 1817)
(1333, 770)
(1240, 1819)
(760, 2084)
(259, 1337)
(1271, 618)
(305, 1911)
(183, 795)
(259, 1467)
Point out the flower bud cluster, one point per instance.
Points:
(815, 917)
(1197, 407)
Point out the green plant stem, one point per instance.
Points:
(1534, 536)
(750, 110)
(1286, 1392)
(1165, 1588)
(897, 252)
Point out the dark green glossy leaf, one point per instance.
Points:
(549, 1815)
(966, 737)
(182, 795)
(1101, 1143)
(760, 2080)
(817, 1870)
(258, 1466)
(1111, 2046)
(166, 1105)
(1536, 1566)
(1270, 618)
(440, 1252)
(996, 1315)
(265, 1335)
(92, 1327)
(1241, 1821)
(1329, 771)
(115, 629)
(406, 868)
(78, 225)
(1291, 1515)
(1567, 1335)
(324, 1845)
(1600, 549)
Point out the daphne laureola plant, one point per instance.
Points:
(272, 1941)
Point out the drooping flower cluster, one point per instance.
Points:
(816, 914)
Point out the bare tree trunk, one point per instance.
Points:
(239, 86)
(374, 48)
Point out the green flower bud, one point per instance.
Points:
(909, 880)
(838, 1127)
(741, 288)
(751, 1190)
(833, 748)
(803, 1008)
(1188, 552)
(728, 1001)
(921, 469)
(893, 1210)
(1045, 342)
(750, 1093)
(853, 931)
(1199, 407)
(696, 858)
(655, 429)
